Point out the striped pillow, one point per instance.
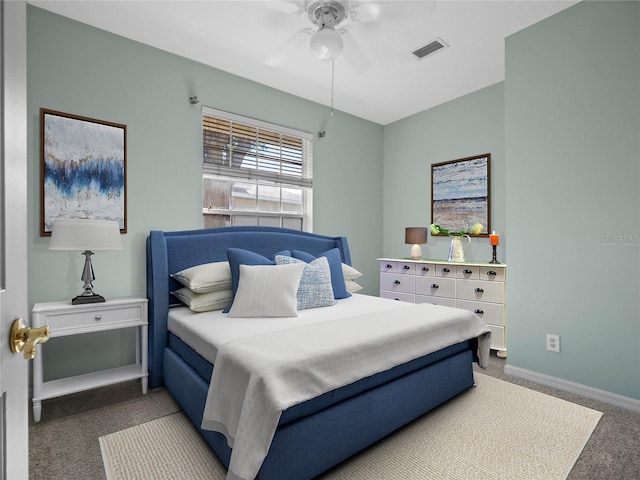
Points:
(267, 291)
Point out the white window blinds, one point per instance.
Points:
(234, 147)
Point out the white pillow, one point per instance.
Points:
(208, 277)
(267, 291)
(349, 272)
(205, 302)
(352, 287)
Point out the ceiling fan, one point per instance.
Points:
(326, 43)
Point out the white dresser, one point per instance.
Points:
(475, 286)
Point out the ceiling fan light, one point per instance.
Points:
(326, 43)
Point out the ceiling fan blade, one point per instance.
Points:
(357, 57)
(296, 42)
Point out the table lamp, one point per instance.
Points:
(415, 236)
(84, 236)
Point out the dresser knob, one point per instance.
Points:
(98, 317)
(434, 285)
(425, 269)
(477, 311)
(405, 267)
(479, 290)
(396, 282)
(445, 270)
(467, 272)
(491, 272)
(388, 266)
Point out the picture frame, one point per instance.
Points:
(83, 169)
(461, 194)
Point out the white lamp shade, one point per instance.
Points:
(82, 234)
(326, 44)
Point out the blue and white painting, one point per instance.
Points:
(460, 193)
(83, 169)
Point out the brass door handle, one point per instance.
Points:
(24, 339)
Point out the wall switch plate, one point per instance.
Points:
(553, 343)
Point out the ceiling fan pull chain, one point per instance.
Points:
(333, 64)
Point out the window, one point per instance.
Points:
(255, 173)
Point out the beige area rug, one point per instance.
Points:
(494, 431)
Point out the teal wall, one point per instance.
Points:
(572, 103)
(467, 126)
(563, 131)
(81, 70)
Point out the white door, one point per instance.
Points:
(14, 444)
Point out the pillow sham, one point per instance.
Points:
(204, 302)
(335, 265)
(237, 257)
(352, 287)
(267, 291)
(349, 272)
(208, 277)
(315, 288)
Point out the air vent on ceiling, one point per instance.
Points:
(430, 48)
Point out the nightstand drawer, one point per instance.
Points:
(93, 319)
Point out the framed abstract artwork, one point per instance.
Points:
(83, 169)
(460, 193)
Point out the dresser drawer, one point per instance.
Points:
(468, 272)
(492, 313)
(400, 296)
(445, 271)
(436, 286)
(397, 282)
(406, 268)
(93, 319)
(498, 337)
(492, 274)
(444, 301)
(425, 269)
(391, 267)
(480, 290)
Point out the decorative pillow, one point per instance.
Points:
(208, 277)
(267, 291)
(315, 285)
(352, 287)
(335, 265)
(204, 302)
(349, 272)
(237, 257)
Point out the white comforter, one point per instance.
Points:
(257, 377)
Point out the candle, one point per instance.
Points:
(494, 238)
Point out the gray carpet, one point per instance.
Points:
(64, 445)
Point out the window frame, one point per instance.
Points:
(230, 173)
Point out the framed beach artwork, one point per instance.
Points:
(83, 169)
(460, 193)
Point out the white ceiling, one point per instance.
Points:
(376, 76)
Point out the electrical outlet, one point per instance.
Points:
(553, 343)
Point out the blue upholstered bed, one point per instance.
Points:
(317, 434)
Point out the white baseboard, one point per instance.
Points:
(584, 390)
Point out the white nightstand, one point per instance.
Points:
(66, 319)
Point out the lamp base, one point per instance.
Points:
(84, 299)
(416, 252)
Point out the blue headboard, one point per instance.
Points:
(170, 252)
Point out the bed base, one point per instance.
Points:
(312, 444)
